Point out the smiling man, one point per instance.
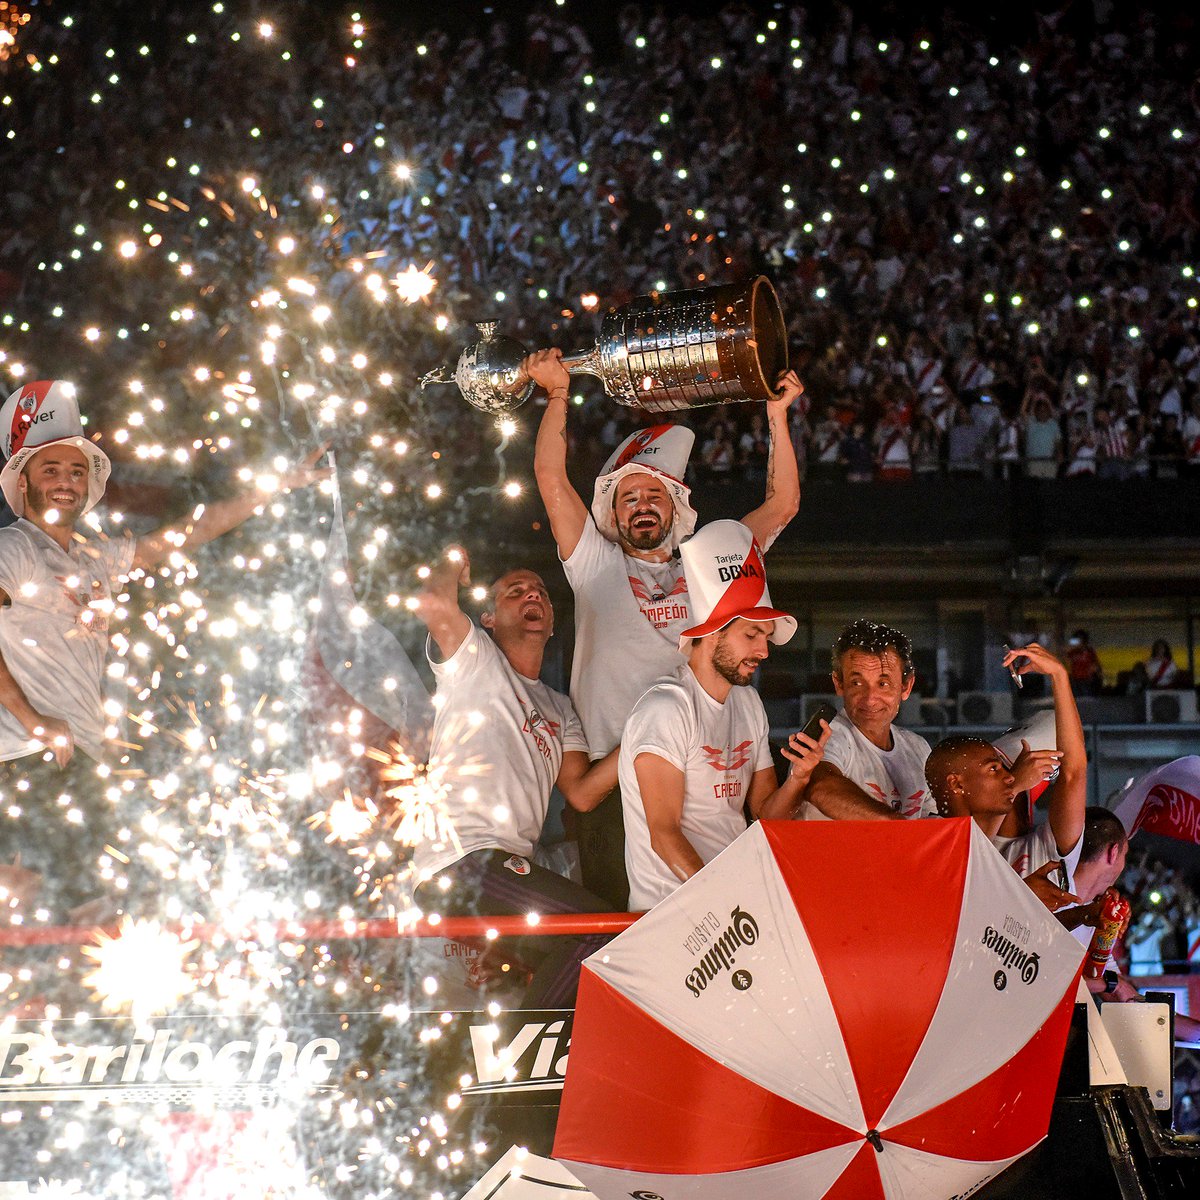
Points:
(56, 599)
(622, 562)
(56, 585)
(502, 740)
(695, 754)
(873, 769)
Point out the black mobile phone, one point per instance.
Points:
(823, 712)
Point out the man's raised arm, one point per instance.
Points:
(782, 501)
(1068, 796)
(437, 603)
(212, 520)
(567, 512)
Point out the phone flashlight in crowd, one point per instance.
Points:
(1016, 678)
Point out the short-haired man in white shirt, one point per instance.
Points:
(695, 754)
(872, 768)
(502, 740)
(968, 777)
(621, 560)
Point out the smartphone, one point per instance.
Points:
(1018, 680)
(824, 712)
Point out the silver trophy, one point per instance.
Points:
(660, 353)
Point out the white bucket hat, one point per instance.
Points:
(44, 414)
(726, 579)
(659, 450)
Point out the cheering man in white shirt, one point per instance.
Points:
(502, 740)
(56, 584)
(56, 597)
(621, 560)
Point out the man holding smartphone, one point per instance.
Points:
(969, 778)
(694, 757)
(621, 558)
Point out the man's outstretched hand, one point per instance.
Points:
(306, 472)
(1049, 893)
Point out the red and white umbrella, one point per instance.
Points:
(839, 1009)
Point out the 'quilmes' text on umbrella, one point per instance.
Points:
(742, 930)
(1011, 955)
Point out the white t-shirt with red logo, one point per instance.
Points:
(628, 617)
(895, 777)
(718, 747)
(54, 632)
(498, 742)
(1026, 853)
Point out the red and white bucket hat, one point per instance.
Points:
(44, 414)
(659, 450)
(726, 580)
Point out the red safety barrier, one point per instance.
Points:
(453, 928)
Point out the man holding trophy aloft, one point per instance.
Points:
(622, 561)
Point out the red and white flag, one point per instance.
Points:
(1164, 801)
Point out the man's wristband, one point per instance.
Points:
(1111, 980)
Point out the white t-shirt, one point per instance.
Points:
(54, 633)
(1035, 849)
(895, 777)
(628, 618)
(718, 747)
(498, 742)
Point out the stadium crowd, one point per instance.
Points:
(984, 251)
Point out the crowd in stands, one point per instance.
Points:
(984, 249)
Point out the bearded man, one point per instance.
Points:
(622, 562)
(695, 757)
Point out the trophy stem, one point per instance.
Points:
(586, 361)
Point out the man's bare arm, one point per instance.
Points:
(1068, 795)
(774, 801)
(583, 784)
(782, 500)
(567, 512)
(211, 520)
(840, 799)
(661, 785)
(437, 603)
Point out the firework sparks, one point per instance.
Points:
(347, 819)
(418, 794)
(413, 284)
(143, 969)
